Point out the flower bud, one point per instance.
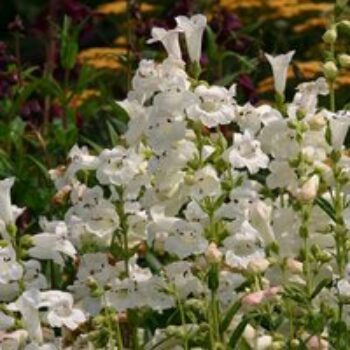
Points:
(277, 345)
(308, 190)
(317, 122)
(330, 70)
(294, 266)
(258, 265)
(346, 24)
(344, 60)
(26, 241)
(213, 254)
(317, 343)
(330, 36)
(295, 343)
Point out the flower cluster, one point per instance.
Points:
(212, 225)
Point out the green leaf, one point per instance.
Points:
(231, 312)
(113, 135)
(153, 262)
(324, 283)
(69, 44)
(326, 207)
(40, 166)
(94, 145)
(212, 49)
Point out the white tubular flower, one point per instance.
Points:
(13, 340)
(28, 305)
(215, 106)
(118, 166)
(279, 66)
(260, 218)
(185, 240)
(339, 123)
(10, 269)
(6, 321)
(8, 212)
(246, 152)
(193, 29)
(169, 39)
(243, 247)
(50, 245)
(206, 183)
(61, 311)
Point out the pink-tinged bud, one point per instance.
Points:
(294, 266)
(257, 298)
(253, 299)
(308, 191)
(213, 254)
(271, 292)
(62, 194)
(317, 343)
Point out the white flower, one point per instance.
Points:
(80, 159)
(13, 340)
(33, 278)
(206, 183)
(260, 218)
(185, 240)
(6, 321)
(229, 281)
(118, 166)
(50, 245)
(61, 311)
(279, 66)
(193, 29)
(28, 305)
(339, 123)
(164, 130)
(10, 269)
(137, 124)
(180, 275)
(92, 215)
(305, 100)
(214, 106)
(343, 287)
(243, 247)
(281, 176)
(246, 152)
(96, 266)
(169, 39)
(8, 212)
(278, 140)
(285, 225)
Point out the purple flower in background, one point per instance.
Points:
(224, 23)
(246, 84)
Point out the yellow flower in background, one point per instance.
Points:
(120, 7)
(309, 70)
(103, 57)
(311, 23)
(79, 99)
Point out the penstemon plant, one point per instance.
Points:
(211, 225)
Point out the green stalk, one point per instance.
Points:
(183, 318)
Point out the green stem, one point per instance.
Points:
(183, 318)
(215, 315)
